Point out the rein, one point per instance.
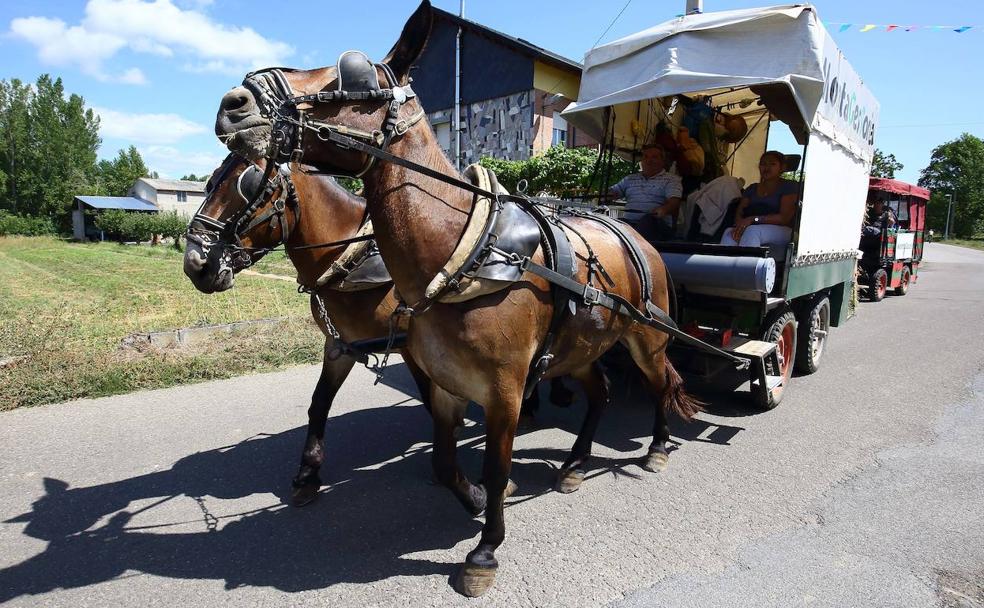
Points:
(290, 130)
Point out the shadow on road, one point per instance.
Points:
(378, 508)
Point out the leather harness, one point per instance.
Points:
(290, 123)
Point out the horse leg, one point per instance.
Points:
(447, 411)
(648, 350)
(420, 379)
(560, 395)
(527, 411)
(597, 388)
(478, 572)
(305, 485)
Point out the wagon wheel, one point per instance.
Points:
(814, 325)
(903, 287)
(878, 285)
(781, 331)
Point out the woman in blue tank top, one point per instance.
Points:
(767, 209)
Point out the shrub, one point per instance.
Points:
(169, 224)
(559, 171)
(11, 225)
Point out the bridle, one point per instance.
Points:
(358, 80)
(255, 186)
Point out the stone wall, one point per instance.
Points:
(501, 127)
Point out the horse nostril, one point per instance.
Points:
(194, 261)
(237, 101)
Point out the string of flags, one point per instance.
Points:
(868, 27)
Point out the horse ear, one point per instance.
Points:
(412, 40)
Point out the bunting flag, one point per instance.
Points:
(863, 28)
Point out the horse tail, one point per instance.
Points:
(674, 398)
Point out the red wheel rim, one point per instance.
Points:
(905, 278)
(784, 349)
(882, 285)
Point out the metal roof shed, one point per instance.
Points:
(89, 203)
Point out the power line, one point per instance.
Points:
(611, 24)
(939, 124)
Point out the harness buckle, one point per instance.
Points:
(592, 295)
(401, 127)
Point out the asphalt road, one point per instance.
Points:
(864, 488)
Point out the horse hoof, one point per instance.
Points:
(569, 481)
(474, 581)
(526, 422)
(511, 488)
(656, 462)
(304, 495)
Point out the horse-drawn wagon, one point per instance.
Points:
(779, 75)
(892, 240)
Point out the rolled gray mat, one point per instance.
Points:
(724, 272)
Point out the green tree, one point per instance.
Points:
(119, 174)
(957, 168)
(883, 165)
(191, 177)
(15, 98)
(49, 142)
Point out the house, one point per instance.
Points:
(512, 92)
(178, 195)
(83, 228)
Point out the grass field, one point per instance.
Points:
(975, 243)
(66, 307)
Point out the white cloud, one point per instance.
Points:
(133, 76)
(61, 45)
(172, 163)
(146, 128)
(157, 27)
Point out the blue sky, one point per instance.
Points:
(155, 70)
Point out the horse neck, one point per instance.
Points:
(328, 213)
(417, 219)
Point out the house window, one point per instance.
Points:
(559, 137)
(182, 197)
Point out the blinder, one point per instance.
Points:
(250, 183)
(356, 73)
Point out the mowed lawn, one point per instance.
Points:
(65, 309)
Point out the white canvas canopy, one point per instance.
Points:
(764, 64)
(723, 54)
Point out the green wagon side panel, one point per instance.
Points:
(840, 303)
(804, 280)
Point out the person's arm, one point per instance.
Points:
(674, 194)
(787, 211)
(741, 222)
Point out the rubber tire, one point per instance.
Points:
(779, 319)
(875, 292)
(903, 287)
(808, 362)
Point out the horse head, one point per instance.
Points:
(247, 211)
(286, 114)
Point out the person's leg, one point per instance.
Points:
(727, 239)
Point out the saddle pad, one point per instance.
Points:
(351, 256)
(369, 273)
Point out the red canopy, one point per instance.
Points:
(896, 187)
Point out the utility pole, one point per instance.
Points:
(457, 91)
(694, 7)
(949, 208)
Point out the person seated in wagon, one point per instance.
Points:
(767, 209)
(652, 195)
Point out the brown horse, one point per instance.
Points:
(330, 213)
(480, 349)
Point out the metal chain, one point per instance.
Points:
(211, 521)
(323, 313)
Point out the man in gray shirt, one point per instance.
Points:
(652, 196)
